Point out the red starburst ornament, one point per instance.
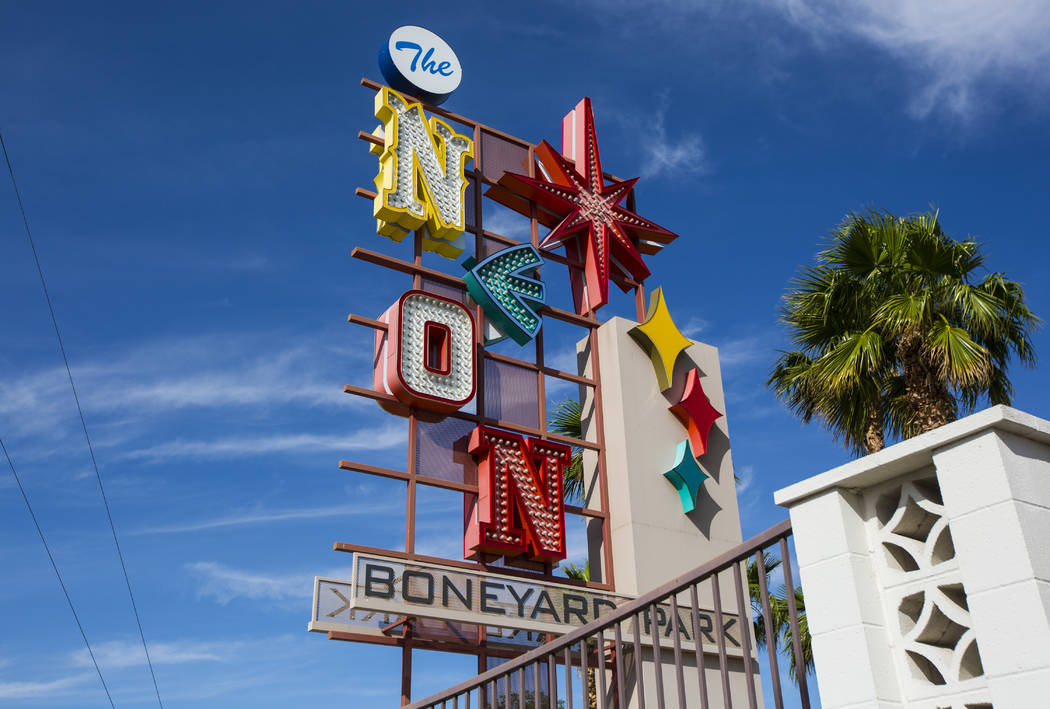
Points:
(696, 413)
(585, 214)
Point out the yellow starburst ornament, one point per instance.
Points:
(660, 338)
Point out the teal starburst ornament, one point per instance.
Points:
(502, 284)
(686, 476)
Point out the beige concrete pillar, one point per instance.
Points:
(653, 540)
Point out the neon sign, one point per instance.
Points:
(427, 357)
(686, 476)
(661, 339)
(421, 177)
(500, 284)
(695, 412)
(519, 509)
(587, 215)
(418, 62)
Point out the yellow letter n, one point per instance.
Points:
(421, 179)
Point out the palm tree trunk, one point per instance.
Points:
(931, 404)
(874, 441)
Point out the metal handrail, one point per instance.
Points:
(631, 610)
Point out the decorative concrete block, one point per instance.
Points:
(826, 526)
(991, 547)
(1031, 689)
(840, 593)
(972, 475)
(863, 647)
(1029, 463)
(1035, 527)
(910, 536)
(1012, 628)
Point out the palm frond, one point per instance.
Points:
(567, 420)
(580, 573)
(893, 331)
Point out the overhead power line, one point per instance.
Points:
(54, 566)
(83, 423)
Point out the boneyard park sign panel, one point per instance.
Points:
(386, 589)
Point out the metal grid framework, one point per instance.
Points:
(493, 150)
(605, 654)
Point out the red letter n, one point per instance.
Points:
(519, 508)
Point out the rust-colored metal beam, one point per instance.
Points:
(469, 565)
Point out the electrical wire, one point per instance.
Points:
(80, 411)
(54, 566)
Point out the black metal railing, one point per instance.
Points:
(621, 661)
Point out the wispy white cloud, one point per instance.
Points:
(748, 494)
(694, 326)
(952, 57)
(746, 475)
(681, 154)
(263, 516)
(118, 654)
(35, 690)
(957, 51)
(564, 359)
(506, 223)
(223, 666)
(224, 583)
(169, 376)
(742, 352)
(382, 438)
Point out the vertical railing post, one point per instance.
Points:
(745, 637)
(770, 630)
(796, 641)
(701, 678)
(676, 631)
(719, 630)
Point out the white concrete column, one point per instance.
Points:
(996, 488)
(854, 666)
(926, 568)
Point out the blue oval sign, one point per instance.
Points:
(418, 62)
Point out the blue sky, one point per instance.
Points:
(189, 178)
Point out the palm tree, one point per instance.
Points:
(855, 414)
(896, 331)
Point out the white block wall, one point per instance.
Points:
(926, 568)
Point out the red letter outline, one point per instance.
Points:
(519, 509)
